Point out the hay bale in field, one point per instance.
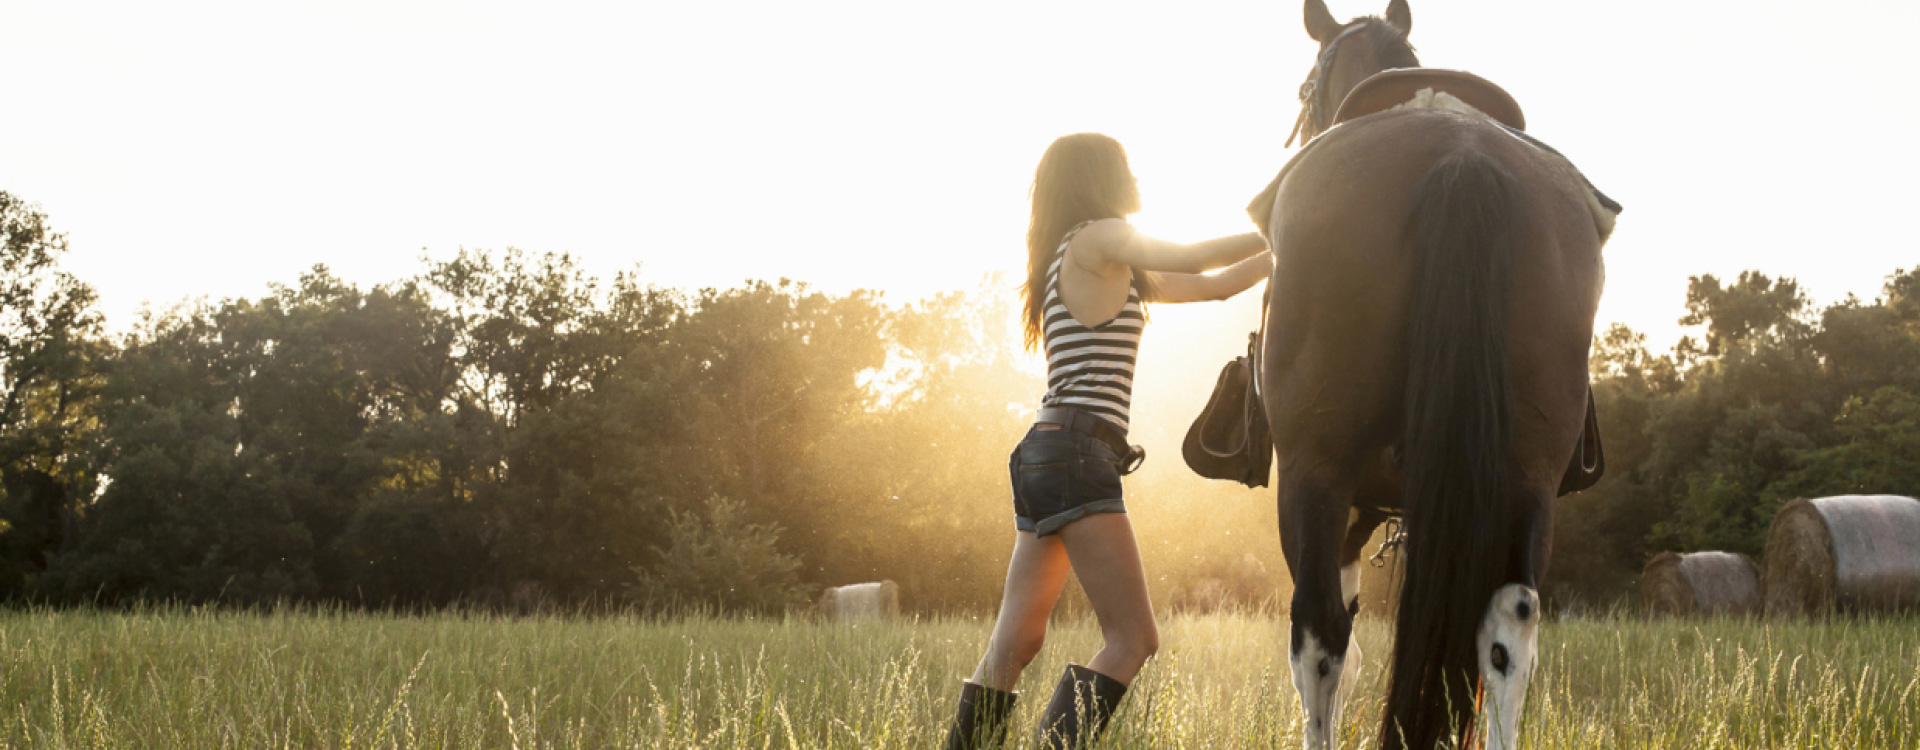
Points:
(861, 601)
(1859, 553)
(1700, 583)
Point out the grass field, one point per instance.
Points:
(302, 679)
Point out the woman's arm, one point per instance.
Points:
(1187, 287)
(1113, 242)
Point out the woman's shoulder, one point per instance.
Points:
(1093, 240)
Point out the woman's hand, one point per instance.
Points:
(1190, 287)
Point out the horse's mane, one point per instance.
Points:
(1390, 45)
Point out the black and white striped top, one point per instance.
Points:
(1090, 368)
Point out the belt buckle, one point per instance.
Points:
(1136, 456)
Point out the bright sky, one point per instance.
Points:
(197, 148)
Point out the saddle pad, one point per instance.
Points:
(1605, 210)
(1396, 88)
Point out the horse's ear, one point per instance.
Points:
(1400, 16)
(1261, 209)
(1320, 23)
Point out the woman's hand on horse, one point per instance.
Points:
(1108, 244)
(1189, 287)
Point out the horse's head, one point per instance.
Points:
(1349, 53)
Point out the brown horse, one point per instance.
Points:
(1436, 276)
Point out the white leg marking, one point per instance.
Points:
(1506, 662)
(1350, 673)
(1317, 675)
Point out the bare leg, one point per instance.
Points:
(1107, 560)
(1035, 576)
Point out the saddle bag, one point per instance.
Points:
(1230, 439)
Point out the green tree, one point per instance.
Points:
(718, 559)
(571, 417)
(1753, 308)
(50, 352)
(919, 479)
(780, 371)
(1705, 443)
(1877, 452)
(188, 511)
(1756, 397)
(251, 445)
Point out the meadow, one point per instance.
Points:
(300, 678)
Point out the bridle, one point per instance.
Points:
(1313, 92)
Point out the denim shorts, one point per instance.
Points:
(1061, 476)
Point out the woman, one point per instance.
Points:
(1088, 272)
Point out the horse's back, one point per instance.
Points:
(1335, 371)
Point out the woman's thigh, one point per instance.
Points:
(1107, 559)
(1035, 577)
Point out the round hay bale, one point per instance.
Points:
(1700, 583)
(879, 599)
(1858, 553)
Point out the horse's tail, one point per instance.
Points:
(1454, 461)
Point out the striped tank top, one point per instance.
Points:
(1090, 368)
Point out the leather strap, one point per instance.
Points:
(1086, 422)
(1257, 342)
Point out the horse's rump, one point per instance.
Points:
(1343, 272)
(1343, 240)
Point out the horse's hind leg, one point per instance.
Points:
(1508, 635)
(1322, 546)
(1359, 531)
(1507, 642)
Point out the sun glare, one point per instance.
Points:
(859, 149)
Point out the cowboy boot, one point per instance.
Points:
(1081, 705)
(981, 720)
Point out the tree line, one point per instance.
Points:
(500, 429)
(504, 429)
(1772, 400)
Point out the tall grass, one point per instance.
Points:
(299, 678)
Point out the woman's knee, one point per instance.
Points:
(1150, 641)
(1140, 641)
(1023, 646)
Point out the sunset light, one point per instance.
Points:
(863, 374)
(210, 148)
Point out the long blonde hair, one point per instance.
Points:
(1081, 177)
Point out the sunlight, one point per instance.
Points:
(711, 146)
